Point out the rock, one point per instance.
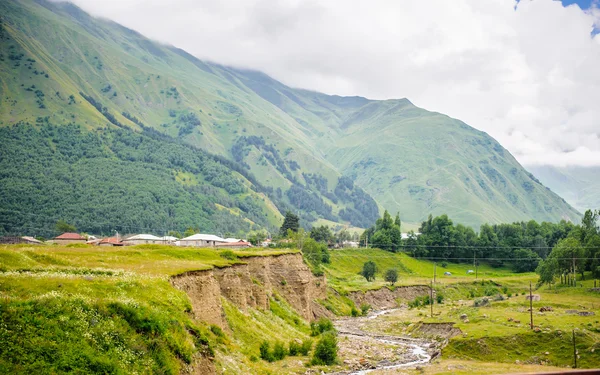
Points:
(533, 297)
(518, 362)
(510, 319)
(547, 353)
(537, 330)
(546, 309)
(466, 321)
(463, 316)
(517, 321)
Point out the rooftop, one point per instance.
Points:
(203, 237)
(144, 237)
(70, 236)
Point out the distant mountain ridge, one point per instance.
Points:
(333, 159)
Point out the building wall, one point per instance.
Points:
(198, 243)
(143, 242)
(66, 242)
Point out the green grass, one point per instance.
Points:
(343, 272)
(143, 259)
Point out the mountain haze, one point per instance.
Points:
(245, 145)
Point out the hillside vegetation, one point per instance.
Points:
(330, 158)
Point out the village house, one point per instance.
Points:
(68, 238)
(238, 244)
(110, 241)
(201, 240)
(140, 239)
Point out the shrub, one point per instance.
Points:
(391, 276)
(326, 350)
(228, 254)
(279, 351)
(444, 264)
(479, 302)
(498, 297)
(369, 270)
(364, 308)
(320, 326)
(294, 348)
(440, 298)
(217, 330)
(490, 291)
(305, 347)
(265, 352)
(354, 312)
(504, 289)
(509, 295)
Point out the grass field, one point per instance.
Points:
(343, 272)
(86, 309)
(114, 310)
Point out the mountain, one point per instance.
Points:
(330, 158)
(580, 186)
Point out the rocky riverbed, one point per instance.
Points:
(374, 352)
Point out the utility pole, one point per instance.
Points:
(431, 298)
(574, 351)
(574, 271)
(530, 306)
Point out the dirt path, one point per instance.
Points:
(374, 352)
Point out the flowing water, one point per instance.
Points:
(416, 351)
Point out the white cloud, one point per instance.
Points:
(527, 74)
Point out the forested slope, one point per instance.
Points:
(309, 152)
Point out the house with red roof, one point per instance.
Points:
(111, 241)
(234, 245)
(68, 237)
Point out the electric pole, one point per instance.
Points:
(574, 351)
(431, 298)
(530, 306)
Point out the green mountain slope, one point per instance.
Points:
(415, 161)
(305, 151)
(580, 186)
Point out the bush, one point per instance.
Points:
(490, 291)
(305, 347)
(217, 330)
(444, 264)
(498, 297)
(504, 289)
(354, 312)
(479, 302)
(294, 348)
(265, 352)
(369, 270)
(391, 276)
(279, 351)
(326, 350)
(364, 308)
(228, 254)
(440, 298)
(320, 326)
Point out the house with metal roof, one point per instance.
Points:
(201, 240)
(140, 239)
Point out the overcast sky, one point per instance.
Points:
(528, 73)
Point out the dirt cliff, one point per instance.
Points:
(385, 298)
(251, 284)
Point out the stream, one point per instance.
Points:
(395, 351)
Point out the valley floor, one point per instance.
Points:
(117, 311)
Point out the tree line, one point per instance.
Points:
(521, 245)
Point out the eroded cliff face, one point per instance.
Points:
(385, 298)
(251, 285)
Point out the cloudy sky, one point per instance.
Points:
(528, 73)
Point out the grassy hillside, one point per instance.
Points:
(84, 309)
(580, 186)
(415, 161)
(58, 66)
